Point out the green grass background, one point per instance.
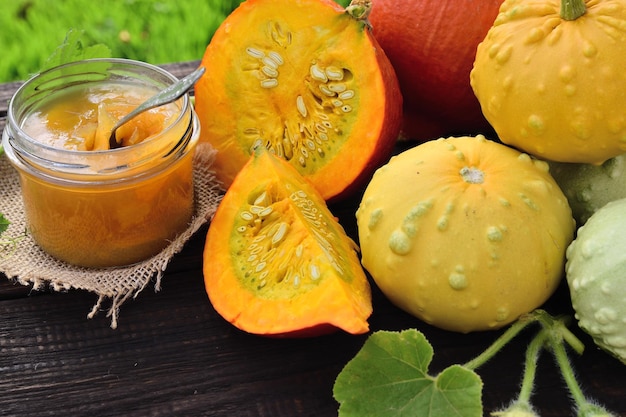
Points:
(154, 31)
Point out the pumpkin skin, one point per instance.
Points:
(276, 261)
(472, 235)
(306, 80)
(553, 87)
(432, 46)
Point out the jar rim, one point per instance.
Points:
(121, 62)
(187, 144)
(85, 72)
(110, 165)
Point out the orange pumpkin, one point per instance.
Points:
(276, 262)
(306, 80)
(432, 45)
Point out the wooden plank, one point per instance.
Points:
(173, 355)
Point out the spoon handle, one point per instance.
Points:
(168, 95)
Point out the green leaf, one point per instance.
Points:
(389, 377)
(73, 49)
(4, 224)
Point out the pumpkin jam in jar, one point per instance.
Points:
(86, 204)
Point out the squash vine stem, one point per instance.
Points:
(360, 10)
(501, 341)
(572, 9)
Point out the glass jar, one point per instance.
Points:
(108, 207)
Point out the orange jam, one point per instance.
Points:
(89, 205)
(82, 118)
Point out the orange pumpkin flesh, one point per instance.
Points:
(276, 262)
(432, 45)
(306, 80)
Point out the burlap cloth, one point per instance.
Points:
(27, 264)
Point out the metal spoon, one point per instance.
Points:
(168, 95)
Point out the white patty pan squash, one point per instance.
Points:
(465, 233)
(596, 275)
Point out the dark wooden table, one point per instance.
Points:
(173, 355)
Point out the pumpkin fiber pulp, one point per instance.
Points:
(305, 79)
(276, 261)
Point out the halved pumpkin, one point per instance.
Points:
(305, 79)
(276, 261)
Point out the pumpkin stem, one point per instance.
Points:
(360, 10)
(472, 175)
(572, 9)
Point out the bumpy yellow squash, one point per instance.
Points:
(465, 233)
(551, 78)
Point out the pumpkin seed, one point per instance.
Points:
(269, 71)
(317, 73)
(254, 52)
(269, 83)
(301, 106)
(280, 233)
(270, 62)
(346, 95)
(276, 57)
(337, 87)
(334, 73)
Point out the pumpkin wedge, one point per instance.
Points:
(276, 261)
(305, 79)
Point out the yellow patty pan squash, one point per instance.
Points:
(465, 233)
(551, 78)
